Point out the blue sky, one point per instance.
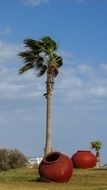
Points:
(80, 93)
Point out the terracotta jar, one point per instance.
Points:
(56, 167)
(84, 159)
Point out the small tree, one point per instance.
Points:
(97, 146)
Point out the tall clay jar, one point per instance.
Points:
(56, 167)
(84, 159)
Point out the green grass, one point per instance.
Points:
(25, 179)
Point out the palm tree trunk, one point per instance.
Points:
(98, 163)
(48, 144)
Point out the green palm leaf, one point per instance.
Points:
(33, 45)
(39, 55)
(42, 70)
(25, 68)
(58, 60)
(48, 43)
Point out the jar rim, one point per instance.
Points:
(52, 157)
(83, 151)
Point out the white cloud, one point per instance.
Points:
(85, 69)
(82, 84)
(104, 67)
(82, 1)
(77, 83)
(70, 81)
(34, 3)
(8, 52)
(5, 31)
(79, 1)
(72, 85)
(13, 85)
(99, 91)
(75, 1)
(9, 90)
(67, 56)
(16, 86)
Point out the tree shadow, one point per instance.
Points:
(40, 179)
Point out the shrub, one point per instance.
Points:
(4, 159)
(11, 159)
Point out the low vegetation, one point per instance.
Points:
(27, 178)
(11, 159)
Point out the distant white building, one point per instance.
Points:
(34, 161)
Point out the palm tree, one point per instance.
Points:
(40, 55)
(97, 146)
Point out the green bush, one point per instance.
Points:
(11, 159)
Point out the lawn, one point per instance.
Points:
(26, 179)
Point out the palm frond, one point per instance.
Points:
(40, 55)
(40, 59)
(96, 145)
(49, 43)
(28, 56)
(58, 60)
(34, 45)
(38, 63)
(25, 68)
(42, 70)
